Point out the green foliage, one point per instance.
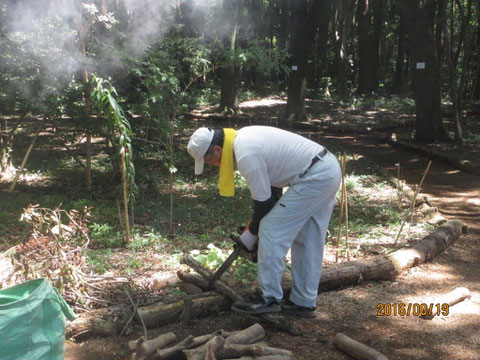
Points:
(103, 97)
(98, 260)
(263, 58)
(211, 260)
(105, 235)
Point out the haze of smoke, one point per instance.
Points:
(150, 20)
(47, 47)
(48, 34)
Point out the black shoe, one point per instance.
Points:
(289, 307)
(256, 304)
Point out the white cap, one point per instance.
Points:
(198, 145)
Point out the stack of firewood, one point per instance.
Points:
(244, 345)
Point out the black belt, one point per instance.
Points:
(315, 159)
(318, 157)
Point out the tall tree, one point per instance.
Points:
(320, 50)
(398, 80)
(305, 20)
(426, 75)
(369, 25)
(343, 23)
(229, 73)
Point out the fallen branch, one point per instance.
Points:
(356, 349)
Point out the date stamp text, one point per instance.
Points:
(415, 309)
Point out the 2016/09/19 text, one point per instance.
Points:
(415, 309)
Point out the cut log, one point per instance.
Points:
(105, 322)
(193, 279)
(189, 343)
(176, 350)
(100, 322)
(249, 335)
(219, 285)
(189, 288)
(254, 350)
(145, 348)
(268, 357)
(161, 314)
(238, 350)
(208, 348)
(356, 349)
(452, 298)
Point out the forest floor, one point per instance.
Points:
(353, 310)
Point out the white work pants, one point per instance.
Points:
(299, 221)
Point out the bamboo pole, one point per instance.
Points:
(125, 198)
(412, 207)
(341, 208)
(25, 158)
(345, 201)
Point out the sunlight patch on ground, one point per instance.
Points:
(262, 102)
(28, 178)
(473, 201)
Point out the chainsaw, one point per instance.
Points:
(238, 250)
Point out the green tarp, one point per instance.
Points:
(32, 322)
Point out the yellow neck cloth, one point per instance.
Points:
(225, 180)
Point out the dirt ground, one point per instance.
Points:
(353, 310)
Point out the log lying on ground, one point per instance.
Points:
(105, 322)
(189, 342)
(225, 345)
(452, 298)
(206, 351)
(219, 285)
(250, 335)
(193, 279)
(356, 349)
(465, 165)
(145, 348)
(387, 267)
(268, 357)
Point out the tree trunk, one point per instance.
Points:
(369, 16)
(399, 67)
(257, 12)
(229, 74)
(441, 20)
(305, 22)
(320, 59)
(5, 141)
(475, 92)
(465, 62)
(426, 76)
(343, 25)
(105, 322)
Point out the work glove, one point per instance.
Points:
(249, 240)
